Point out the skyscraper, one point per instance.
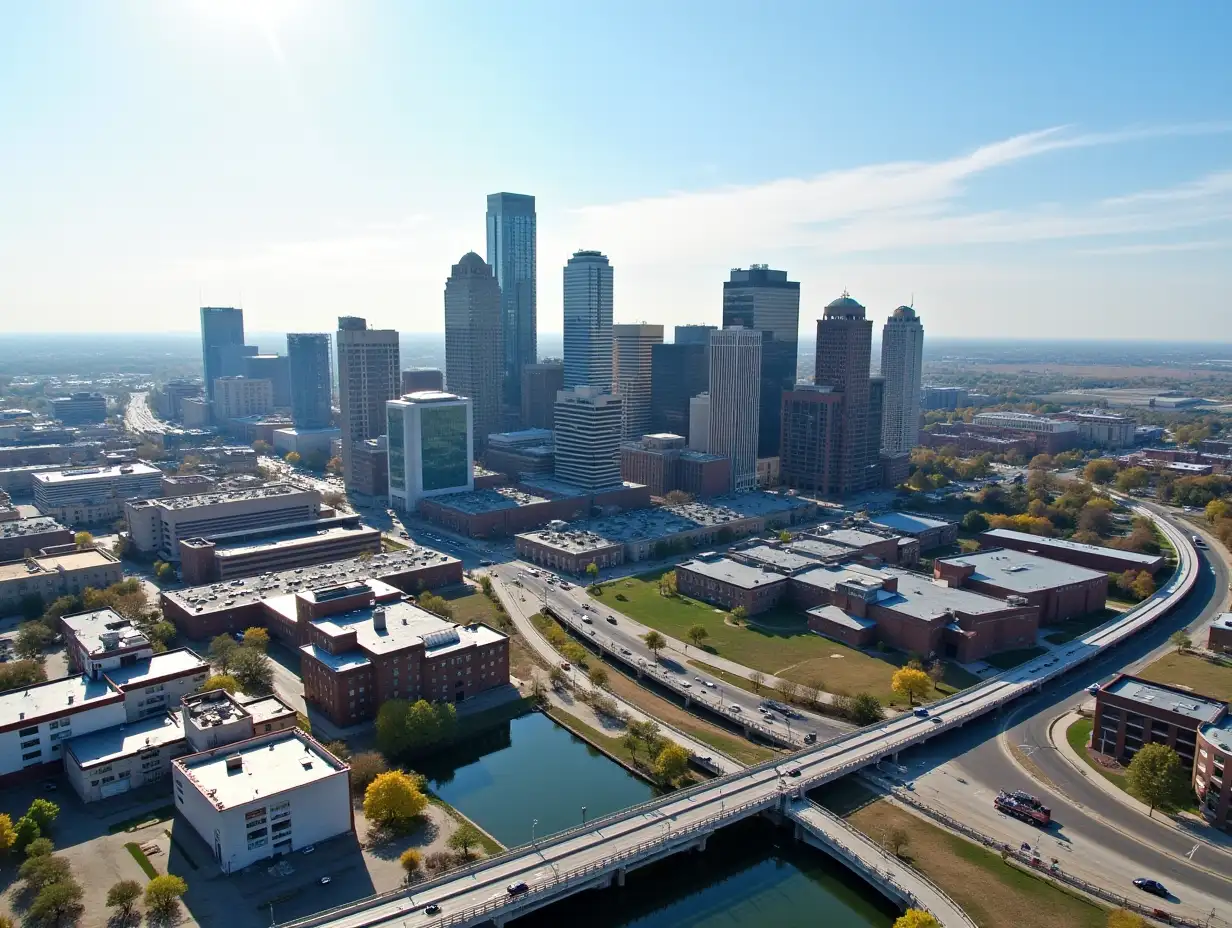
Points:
(588, 437)
(274, 368)
(368, 377)
(872, 435)
(511, 255)
(735, 401)
(844, 350)
(220, 326)
(765, 300)
(588, 321)
(540, 384)
(473, 342)
(308, 358)
(430, 448)
(693, 334)
(677, 372)
(902, 360)
(810, 427)
(631, 374)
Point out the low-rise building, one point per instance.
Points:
(94, 494)
(78, 452)
(112, 761)
(306, 442)
(80, 408)
(724, 582)
(1097, 429)
(504, 511)
(22, 537)
(931, 533)
(215, 717)
(569, 550)
(240, 397)
(187, 485)
(1060, 591)
(664, 463)
(1093, 557)
(1131, 712)
(528, 451)
(49, 576)
(1219, 638)
(303, 797)
(102, 640)
(229, 555)
(35, 721)
(1210, 774)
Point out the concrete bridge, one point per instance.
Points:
(603, 851)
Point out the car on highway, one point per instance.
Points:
(1154, 887)
(734, 710)
(611, 620)
(432, 909)
(920, 713)
(626, 652)
(516, 889)
(709, 683)
(587, 619)
(565, 585)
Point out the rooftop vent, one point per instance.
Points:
(235, 762)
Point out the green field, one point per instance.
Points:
(777, 642)
(1206, 678)
(1079, 734)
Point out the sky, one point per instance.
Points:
(1049, 169)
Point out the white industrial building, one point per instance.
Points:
(270, 795)
(94, 494)
(431, 446)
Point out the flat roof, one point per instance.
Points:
(406, 625)
(853, 537)
(1223, 620)
(295, 538)
(918, 595)
(1219, 734)
(1020, 571)
(96, 472)
(839, 617)
(264, 708)
(110, 744)
(1065, 544)
(491, 499)
(214, 498)
(569, 540)
(726, 570)
(777, 557)
(36, 525)
(169, 663)
(269, 765)
(818, 549)
(89, 627)
(31, 703)
(908, 522)
(1182, 702)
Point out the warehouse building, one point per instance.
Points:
(1094, 557)
(1058, 590)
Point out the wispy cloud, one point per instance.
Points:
(1147, 248)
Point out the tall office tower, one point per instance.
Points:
(902, 360)
(699, 419)
(540, 384)
(873, 469)
(735, 402)
(588, 437)
(368, 377)
(274, 368)
(220, 326)
(430, 447)
(844, 351)
(811, 419)
(588, 321)
(473, 342)
(678, 372)
(511, 255)
(311, 372)
(693, 334)
(765, 300)
(419, 379)
(632, 346)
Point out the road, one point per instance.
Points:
(138, 419)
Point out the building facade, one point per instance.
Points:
(663, 462)
(632, 347)
(310, 371)
(693, 334)
(94, 494)
(512, 256)
(1131, 712)
(221, 327)
(51, 575)
(473, 343)
(431, 448)
(80, 408)
(699, 416)
(587, 437)
(1058, 590)
(540, 384)
(902, 363)
(274, 368)
(678, 372)
(419, 379)
(1210, 774)
(588, 321)
(238, 397)
(844, 351)
(22, 537)
(735, 402)
(810, 421)
(369, 375)
(766, 301)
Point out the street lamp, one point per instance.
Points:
(534, 823)
(583, 815)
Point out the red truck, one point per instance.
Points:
(1024, 807)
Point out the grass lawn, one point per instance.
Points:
(472, 606)
(1068, 630)
(994, 893)
(1009, 659)
(1192, 672)
(489, 844)
(615, 747)
(1079, 734)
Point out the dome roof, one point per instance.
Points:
(844, 306)
(471, 260)
(471, 265)
(905, 312)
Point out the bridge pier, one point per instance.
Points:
(687, 702)
(701, 845)
(621, 872)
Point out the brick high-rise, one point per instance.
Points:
(844, 351)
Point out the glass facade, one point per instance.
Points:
(397, 450)
(443, 447)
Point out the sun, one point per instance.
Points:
(263, 15)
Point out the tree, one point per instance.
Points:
(667, 583)
(1217, 509)
(43, 812)
(83, 540)
(1133, 478)
(221, 681)
(38, 872)
(672, 763)
(303, 723)
(438, 862)
(26, 830)
(293, 458)
(631, 743)
(436, 605)
(917, 918)
(340, 750)
(740, 613)
(1181, 641)
(21, 673)
(162, 895)
(1143, 585)
(256, 637)
(1155, 776)
(936, 673)
(222, 652)
(598, 677)
(592, 571)
(788, 689)
(464, 837)
(393, 800)
(1123, 918)
(574, 653)
(254, 672)
(975, 521)
(758, 679)
(262, 447)
(123, 896)
(784, 536)
(32, 638)
(557, 678)
(411, 861)
(698, 634)
(655, 642)
(1100, 471)
(334, 465)
(897, 840)
(56, 903)
(865, 709)
(912, 683)
(678, 497)
(366, 766)
(8, 836)
(40, 847)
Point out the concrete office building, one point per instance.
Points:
(83, 495)
(431, 447)
(587, 437)
(528, 451)
(511, 254)
(369, 376)
(632, 347)
(693, 334)
(239, 397)
(473, 343)
(228, 555)
(1098, 429)
(220, 327)
(943, 397)
(80, 408)
(19, 537)
(1058, 590)
(304, 797)
(699, 415)
(811, 421)
(157, 526)
(902, 361)
(173, 392)
(53, 573)
(844, 349)
(588, 321)
(678, 372)
(419, 379)
(310, 372)
(370, 467)
(196, 412)
(735, 402)
(766, 301)
(662, 462)
(276, 369)
(540, 384)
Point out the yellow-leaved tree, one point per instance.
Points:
(917, 918)
(912, 683)
(393, 800)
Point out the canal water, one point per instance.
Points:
(751, 874)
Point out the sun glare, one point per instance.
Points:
(266, 15)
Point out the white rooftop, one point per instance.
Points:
(90, 627)
(1043, 544)
(29, 704)
(97, 472)
(110, 744)
(1021, 572)
(726, 570)
(169, 663)
(269, 765)
(908, 522)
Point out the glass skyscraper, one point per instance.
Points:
(511, 254)
(588, 321)
(222, 333)
(308, 357)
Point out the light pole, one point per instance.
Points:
(583, 815)
(534, 823)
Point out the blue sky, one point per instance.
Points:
(1017, 169)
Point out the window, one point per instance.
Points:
(30, 743)
(33, 755)
(32, 730)
(257, 833)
